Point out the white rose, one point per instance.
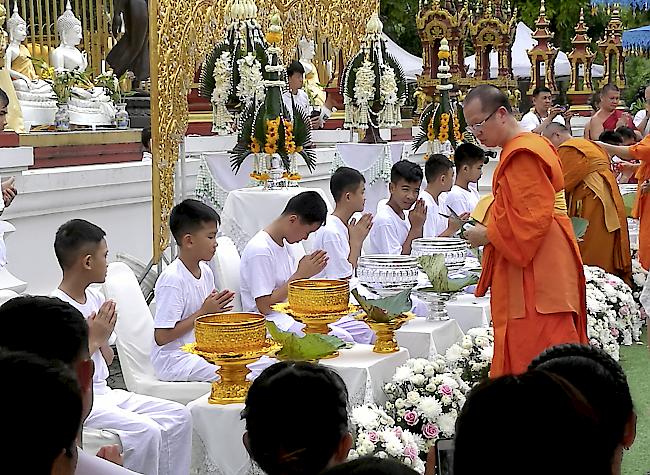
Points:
(418, 379)
(467, 342)
(412, 397)
(430, 388)
(399, 403)
(466, 353)
(429, 370)
(446, 400)
(417, 365)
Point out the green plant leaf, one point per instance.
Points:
(628, 201)
(312, 346)
(434, 267)
(580, 226)
(385, 309)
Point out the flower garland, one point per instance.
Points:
(471, 358)
(251, 84)
(443, 134)
(639, 277)
(222, 88)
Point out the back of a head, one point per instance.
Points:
(189, 216)
(538, 423)
(146, 137)
(309, 206)
(468, 154)
(371, 466)
(405, 170)
(610, 137)
(45, 326)
(437, 165)
(295, 67)
(491, 98)
(626, 133)
(296, 416)
(599, 378)
(344, 180)
(43, 394)
(75, 237)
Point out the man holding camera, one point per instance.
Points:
(544, 112)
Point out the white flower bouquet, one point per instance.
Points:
(471, 358)
(639, 276)
(377, 435)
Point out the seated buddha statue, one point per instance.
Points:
(312, 83)
(96, 107)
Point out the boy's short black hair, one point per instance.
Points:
(468, 154)
(407, 171)
(437, 165)
(189, 216)
(4, 98)
(538, 90)
(295, 67)
(75, 237)
(626, 133)
(610, 137)
(309, 206)
(344, 180)
(146, 137)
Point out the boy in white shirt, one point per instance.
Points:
(439, 171)
(342, 237)
(269, 263)
(156, 434)
(469, 160)
(295, 96)
(392, 232)
(185, 291)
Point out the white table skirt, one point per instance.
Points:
(425, 338)
(249, 210)
(470, 311)
(365, 372)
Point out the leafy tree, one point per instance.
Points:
(398, 17)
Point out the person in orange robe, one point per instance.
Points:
(531, 261)
(639, 151)
(592, 193)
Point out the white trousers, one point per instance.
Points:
(156, 434)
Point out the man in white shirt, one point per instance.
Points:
(295, 96)
(342, 237)
(543, 112)
(463, 197)
(268, 264)
(642, 118)
(392, 230)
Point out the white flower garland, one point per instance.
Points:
(221, 118)
(251, 85)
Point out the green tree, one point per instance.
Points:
(398, 17)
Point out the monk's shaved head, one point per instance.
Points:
(491, 98)
(555, 128)
(611, 87)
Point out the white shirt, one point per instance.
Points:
(300, 99)
(435, 223)
(94, 300)
(388, 232)
(88, 464)
(638, 118)
(531, 120)
(334, 238)
(264, 267)
(178, 295)
(461, 200)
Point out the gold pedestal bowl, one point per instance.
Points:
(318, 302)
(386, 342)
(231, 341)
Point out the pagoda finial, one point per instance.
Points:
(542, 10)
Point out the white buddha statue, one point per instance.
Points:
(86, 106)
(312, 85)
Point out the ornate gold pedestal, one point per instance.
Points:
(386, 342)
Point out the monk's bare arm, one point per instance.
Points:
(621, 151)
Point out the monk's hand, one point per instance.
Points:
(476, 235)
(623, 120)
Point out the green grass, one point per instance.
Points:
(635, 360)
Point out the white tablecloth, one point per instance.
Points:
(374, 161)
(470, 311)
(249, 210)
(365, 372)
(424, 339)
(216, 178)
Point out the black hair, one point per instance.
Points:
(189, 216)
(538, 90)
(309, 206)
(295, 67)
(491, 97)
(4, 98)
(610, 137)
(600, 379)
(344, 180)
(546, 424)
(146, 137)
(46, 326)
(42, 394)
(75, 237)
(468, 154)
(407, 171)
(371, 466)
(437, 165)
(296, 416)
(626, 133)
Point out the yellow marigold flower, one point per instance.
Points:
(273, 37)
(444, 55)
(270, 148)
(299, 149)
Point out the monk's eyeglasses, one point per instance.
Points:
(476, 128)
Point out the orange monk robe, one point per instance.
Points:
(532, 264)
(641, 210)
(593, 194)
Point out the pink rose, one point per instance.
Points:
(410, 452)
(624, 311)
(446, 390)
(430, 431)
(373, 436)
(397, 431)
(411, 417)
(614, 332)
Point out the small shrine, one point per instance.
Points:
(543, 54)
(611, 47)
(581, 58)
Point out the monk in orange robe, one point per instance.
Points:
(639, 151)
(593, 194)
(531, 261)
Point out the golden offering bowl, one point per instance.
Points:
(386, 342)
(318, 302)
(231, 341)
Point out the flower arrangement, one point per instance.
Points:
(111, 84)
(639, 276)
(376, 434)
(471, 358)
(373, 85)
(63, 81)
(425, 397)
(599, 332)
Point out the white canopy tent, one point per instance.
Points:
(412, 65)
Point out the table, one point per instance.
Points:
(425, 338)
(470, 311)
(365, 372)
(216, 179)
(249, 210)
